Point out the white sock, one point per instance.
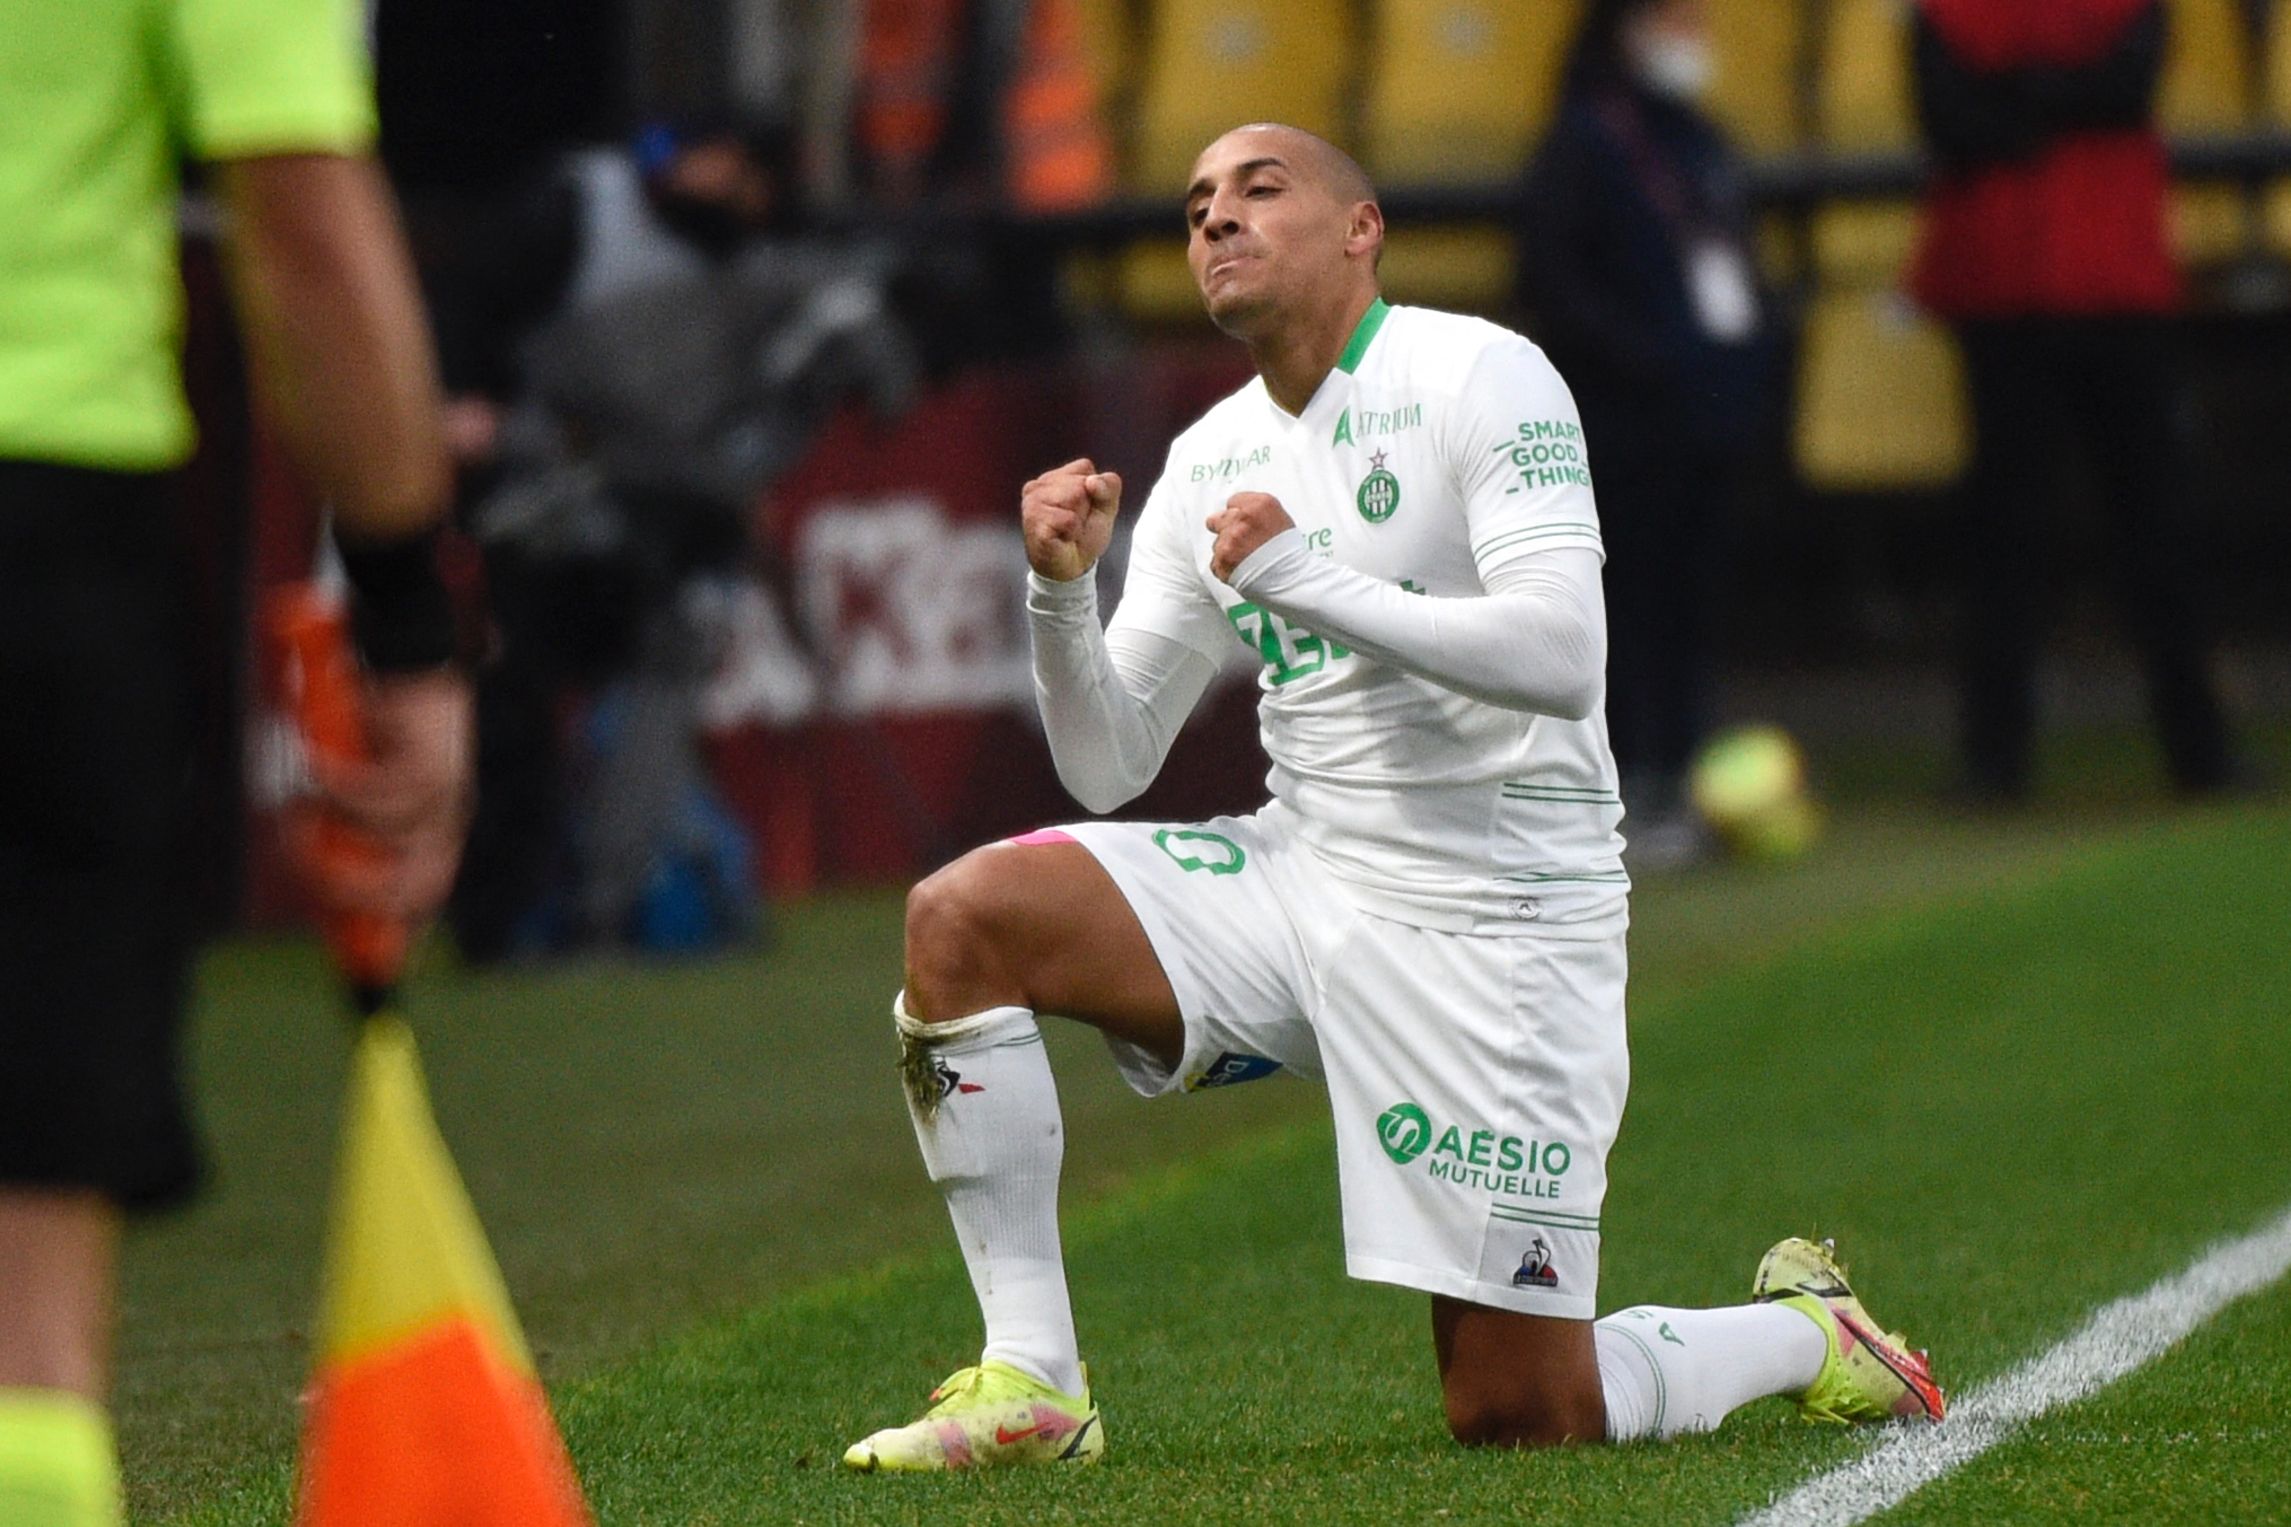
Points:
(1671, 1371)
(986, 1116)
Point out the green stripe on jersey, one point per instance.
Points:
(1579, 529)
(1581, 795)
(1363, 332)
(1538, 877)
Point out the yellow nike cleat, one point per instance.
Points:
(1867, 1375)
(987, 1416)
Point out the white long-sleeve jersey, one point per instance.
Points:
(1432, 634)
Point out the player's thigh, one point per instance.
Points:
(1513, 1380)
(1477, 1084)
(1036, 922)
(1218, 904)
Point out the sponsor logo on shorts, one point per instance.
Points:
(1196, 849)
(1535, 1269)
(1403, 1130)
(1231, 1069)
(1506, 1165)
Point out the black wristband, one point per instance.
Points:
(401, 614)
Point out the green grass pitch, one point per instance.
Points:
(2017, 1069)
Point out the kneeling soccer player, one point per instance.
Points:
(1396, 516)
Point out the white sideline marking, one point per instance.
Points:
(2118, 1338)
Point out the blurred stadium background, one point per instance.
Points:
(657, 1147)
(875, 720)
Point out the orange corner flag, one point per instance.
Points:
(425, 1410)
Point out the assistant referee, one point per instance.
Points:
(101, 100)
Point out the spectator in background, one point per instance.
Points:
(651, 345)
(96, 747)
(990, 99)
(977, 110)
(2046, 246)
(1640, 277)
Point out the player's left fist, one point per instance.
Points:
(1247, 522)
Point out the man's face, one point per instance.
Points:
(715, 193)
(1264, 228)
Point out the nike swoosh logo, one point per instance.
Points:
(1074, 1448)
(1006, 1436)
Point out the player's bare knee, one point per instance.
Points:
(1497, 1428)
(1522, 1421)
(953, 958)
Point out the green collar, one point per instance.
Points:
(1362, 335)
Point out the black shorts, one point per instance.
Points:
(96, 758)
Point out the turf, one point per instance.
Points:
(2201, 1436)
(2017, 1070)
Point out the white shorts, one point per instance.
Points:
(1477, 1081)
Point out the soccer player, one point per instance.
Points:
(1396, 518)
(98, 733)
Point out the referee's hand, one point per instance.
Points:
(1067, 515)
(408, 801)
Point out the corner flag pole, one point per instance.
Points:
(425, 1410)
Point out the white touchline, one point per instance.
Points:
(2118, 1338)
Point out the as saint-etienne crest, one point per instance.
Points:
(1379, 492)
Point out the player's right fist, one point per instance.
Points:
(1067, 515)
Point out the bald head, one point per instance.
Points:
(1312, 157)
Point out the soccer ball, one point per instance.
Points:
(1750, 786)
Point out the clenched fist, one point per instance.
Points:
(1067, 515)
(1247, 522)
